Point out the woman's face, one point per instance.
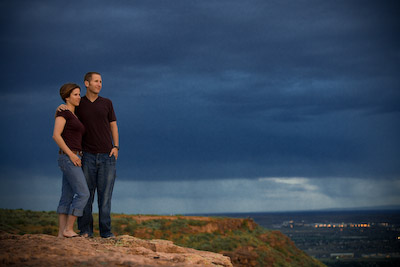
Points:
(75, 97)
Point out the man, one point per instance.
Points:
(100, 146)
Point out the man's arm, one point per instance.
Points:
(61, 107)
(115, 137)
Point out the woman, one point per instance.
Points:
(68, 131)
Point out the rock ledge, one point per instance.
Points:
(47, 250)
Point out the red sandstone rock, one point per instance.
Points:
(46, 250)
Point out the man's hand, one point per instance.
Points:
(114, 151)
(62, 107)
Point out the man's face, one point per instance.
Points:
(94, 86)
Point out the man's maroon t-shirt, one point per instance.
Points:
(96, 116)
(73, 130)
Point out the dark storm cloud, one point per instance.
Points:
(214, 89)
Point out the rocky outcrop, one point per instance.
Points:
(125, 250)
(27, 238)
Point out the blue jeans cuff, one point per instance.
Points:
(67, 210)
(62, 210)
(77, 212)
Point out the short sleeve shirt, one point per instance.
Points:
(96, 116)
(73, 130)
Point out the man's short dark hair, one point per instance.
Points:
(88, 76)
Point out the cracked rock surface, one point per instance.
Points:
(47, 250)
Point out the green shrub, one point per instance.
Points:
(157, 224)
(49, 231)
(196, 222)
(178, 226)
(130, 228)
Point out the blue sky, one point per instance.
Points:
(222, 106)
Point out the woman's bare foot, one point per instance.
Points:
(68, 233)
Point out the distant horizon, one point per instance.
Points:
(369, 208)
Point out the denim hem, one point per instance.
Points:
(63, 210)
(107, 235)
(77, 212)
(67, 210)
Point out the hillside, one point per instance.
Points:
(246, 243)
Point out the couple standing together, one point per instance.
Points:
(86, 124)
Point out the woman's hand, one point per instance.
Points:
(75, 160)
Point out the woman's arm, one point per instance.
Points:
(58, 129)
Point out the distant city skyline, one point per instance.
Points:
(363, 235)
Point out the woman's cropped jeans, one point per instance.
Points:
(74, 192)
(100, 173)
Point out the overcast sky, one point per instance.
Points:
(222, 106)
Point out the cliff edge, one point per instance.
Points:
(148, 240)
(125, 250)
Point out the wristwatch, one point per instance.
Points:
(117, 147)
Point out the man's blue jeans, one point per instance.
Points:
(100, 173)
(74, 192)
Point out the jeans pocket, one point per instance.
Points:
(111, 161)
(65, 163)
